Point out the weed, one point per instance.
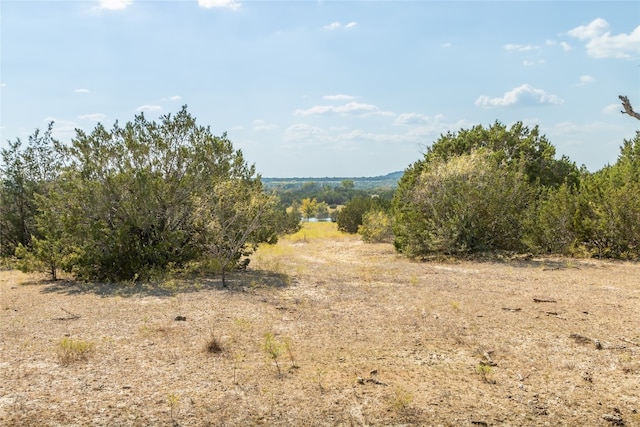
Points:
(173, 401)
(273, 349)
(70, 350)
(214, 345)
(401, 399)
(485, 370)
(455, 305)
(288, 347)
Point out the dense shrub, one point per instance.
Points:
(376, 227)
(470, 203)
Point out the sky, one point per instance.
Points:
(326, 88)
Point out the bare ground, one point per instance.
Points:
(374, 340)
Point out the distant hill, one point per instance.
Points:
(362, 183)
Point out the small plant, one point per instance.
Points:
(401, 399)
(70, 350)
(273, 349)
(214, 345)
(455, 305)
(288, 347)
(173, 401)
(484, 370)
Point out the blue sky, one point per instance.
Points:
(326, 88)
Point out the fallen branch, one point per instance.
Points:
(543, 300)
(630, 342)
(511, 309)
(72, 316)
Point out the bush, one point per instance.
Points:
(470, 203)
(350, 216)
(376, 227)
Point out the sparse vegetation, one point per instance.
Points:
(352, 308)
(70, 350)
(273, 348)
(214, 345)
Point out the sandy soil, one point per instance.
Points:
(362, 337)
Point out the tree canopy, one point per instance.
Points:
(147, 195)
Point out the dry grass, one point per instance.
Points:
(361, 337)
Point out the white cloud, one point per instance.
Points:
(114, 4)
(81, 90)
(522, 95)
(528, 63)
(520, 47)
(446, 45)
(351, 108)
(612, 108)
(601, 44)
(260, 124)
(417, 119)
(223, 4)
(94, 117)
(336, 25)
(339, 97)
(564, 45)
(3, 84)
(149, 108)
(594, 29)
(585, 80)
(175, 98)
(305, 134)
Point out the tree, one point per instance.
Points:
(471, 190)
(509, 146)
(608, 207)
(309, 208)
(230, 221)
(24, 172)
(127, 201)
(349, 218)
(470, 203)
(348, 184)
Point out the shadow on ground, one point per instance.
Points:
(235, 282)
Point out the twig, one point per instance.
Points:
(543, 300)
(72, 316)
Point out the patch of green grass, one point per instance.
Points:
(70, 350)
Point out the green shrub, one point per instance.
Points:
(376, 227)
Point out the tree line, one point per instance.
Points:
(139, 199)
(503, 189)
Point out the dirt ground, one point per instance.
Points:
(329, 331)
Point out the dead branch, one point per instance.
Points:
(628, 109)
(72, 316)
(543, 300)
